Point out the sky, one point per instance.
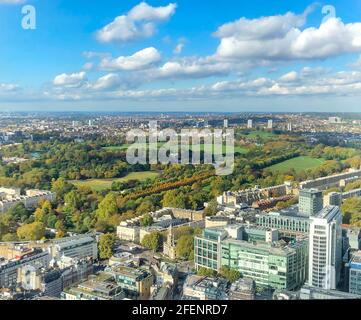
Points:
(185, 55)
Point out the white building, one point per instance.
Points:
(270, 124)
(30, 200)
(325, 248)
(225, 123)
(250, 124)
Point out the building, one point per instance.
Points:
(334, 120)
(310, 202)
(205, 288)
(351, 237)
(9, 269)
(169, 247)
(74, 270)
(287, 221)
(250, 124)
(325, 248)
(270, 124)
(256, 253)
(330, 181)
(333, 199)
(135, 283)
(313, 293)
(30, 200)
(129, 233)
(354, 267)
(131, 230)
(78, 247)
(242, 289)
(47, 281)
(225, 123)
(336, 198)
(101, 287)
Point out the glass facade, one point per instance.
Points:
(271, 265)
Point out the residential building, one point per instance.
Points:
(329, 181)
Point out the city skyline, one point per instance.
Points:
(165, 56)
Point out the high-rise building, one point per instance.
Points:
(270, 124)
(289, 127)
(250, 124)
(225, 123)
(310, 201)
(325, 248)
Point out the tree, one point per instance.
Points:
(174, 199)
(146, 221)
(145, 207)
(72, 200)
(351, 211)
(212, 208)
(152, 241)
(106, 245)
(230, 274)
(185, 247)
(9, 237)
(19, 213)
(61, 187)
(205, 272)
(32, 231)
(107, 207)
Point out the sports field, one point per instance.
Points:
(299, 164)
(103, 184)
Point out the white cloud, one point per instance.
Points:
(139, 23)
(263, 28)
(139, 60)
(280, 39)
(289, 77)
(8, 87)
(191, 68)
(330, 85)
(70, 80)
(107, 82)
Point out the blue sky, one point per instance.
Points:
(201, 55)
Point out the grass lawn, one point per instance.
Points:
(298, 163)
(103, 184)
(266, 135)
